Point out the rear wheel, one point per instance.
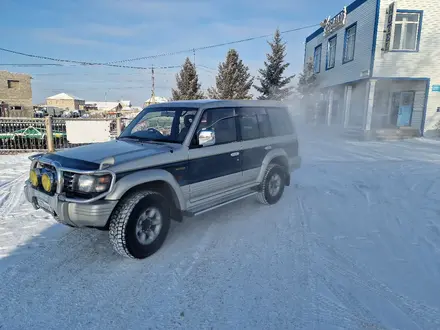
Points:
(272, 186)
(139, 225)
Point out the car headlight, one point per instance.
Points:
(48, 182)
(34, 177)
(93, 183)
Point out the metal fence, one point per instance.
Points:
(29, 134)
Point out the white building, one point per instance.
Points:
(155, 99)
(377, 65)
(103, 106)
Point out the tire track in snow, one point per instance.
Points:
(307, 305)
(13, 196)
(185, 266)
(341, 316)
(416, 311)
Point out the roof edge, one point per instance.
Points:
(354, 5)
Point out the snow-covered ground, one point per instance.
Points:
(354, 243)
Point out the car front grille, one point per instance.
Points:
(69, 179)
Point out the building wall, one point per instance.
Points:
(388, 87)
(66, 104)
(421, 64)
(365, 16)
(358, 104)
(79, 104)
(18, 95)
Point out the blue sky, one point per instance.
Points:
(111, 30)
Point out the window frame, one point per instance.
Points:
(344, 53)
(418, 34)
(327, 66)
(317, 70)
(260, 135)
(174, 123)
(193, 145)
(13, 84)
(273, 122)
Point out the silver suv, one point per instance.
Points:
(174, 160)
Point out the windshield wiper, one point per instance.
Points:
(145, 139)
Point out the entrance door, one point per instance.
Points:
(405, 109)
(401, 108)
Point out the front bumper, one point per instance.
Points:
(94, 214)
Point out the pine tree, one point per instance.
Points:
(188, 86)
(307, 81)
(273, 84)
(307, 87)
(233, 80)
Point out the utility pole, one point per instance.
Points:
(152, 99)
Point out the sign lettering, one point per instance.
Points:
(332, 24)
(389, 26)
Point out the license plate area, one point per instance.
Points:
(43, 201)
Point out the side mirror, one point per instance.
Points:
(206, 138)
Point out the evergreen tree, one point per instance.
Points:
(233, 80)
(306, 89)
(188, 87)
(273, 84)
(307, 81)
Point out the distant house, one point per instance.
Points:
(155, 99)
(66, 101)
(125, 103)
(103, 106)
(15, 94)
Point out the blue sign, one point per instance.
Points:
(436, 88)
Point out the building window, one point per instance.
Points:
(13, 84)
(317, 59)
(331, 53)
(16, 107)
(407, 28)
(349, 43)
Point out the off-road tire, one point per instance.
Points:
(123, 220)
(264, 196)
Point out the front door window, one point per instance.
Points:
(402, 108)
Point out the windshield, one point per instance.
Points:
(161, 124)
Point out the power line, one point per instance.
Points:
(30, 65)
(83, 62)
(114, 63)
(192, 50)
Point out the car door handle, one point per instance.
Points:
(268, 147)
(235, 154)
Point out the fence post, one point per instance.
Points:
(118, 126)
(49, 134)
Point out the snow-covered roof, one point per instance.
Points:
(103, 105)
(64, 96)
(157, 99)
(125, 103)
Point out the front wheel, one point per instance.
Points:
(139, 224)
(272, 186)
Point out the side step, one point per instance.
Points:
(200, 210)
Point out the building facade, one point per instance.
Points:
(377, 66)
(66, 101)
(15, 95)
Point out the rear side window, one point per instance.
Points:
(254, 123)
(280, 121)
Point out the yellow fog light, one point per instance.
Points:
(47, 182)
(33, 178)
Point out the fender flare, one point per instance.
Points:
(145, 176)
(271, 155)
